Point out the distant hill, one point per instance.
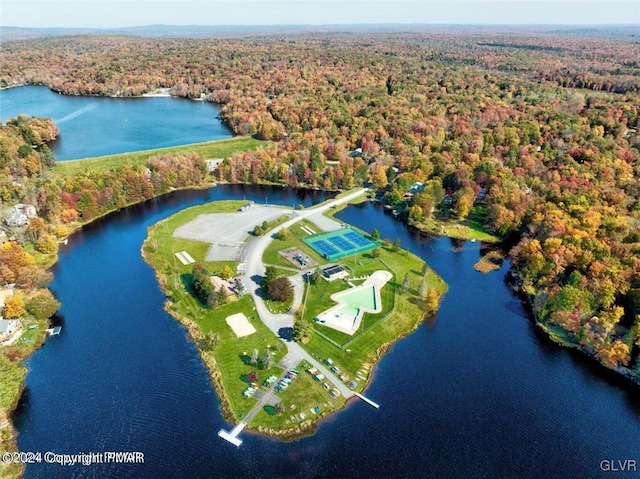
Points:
(8, 34)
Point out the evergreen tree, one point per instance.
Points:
(266, 360)
(406, 283)
(254, 357)
(423, 287)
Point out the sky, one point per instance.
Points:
(127, 13)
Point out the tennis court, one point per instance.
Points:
(338, 244)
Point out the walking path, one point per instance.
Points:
(281, 324)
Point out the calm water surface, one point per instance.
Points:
(476, 393)
(96, 126)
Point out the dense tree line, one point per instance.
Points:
(476, 117)
(24, 160)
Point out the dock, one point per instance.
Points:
(367, 400)
(232, 436)
(54, 331)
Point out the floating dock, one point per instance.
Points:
(367, 400)
(232, 436)
(54, 331)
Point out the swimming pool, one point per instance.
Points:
(346, 316)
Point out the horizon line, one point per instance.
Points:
(314, 25)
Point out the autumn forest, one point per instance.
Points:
(533, 133)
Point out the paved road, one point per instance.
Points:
(255, 270)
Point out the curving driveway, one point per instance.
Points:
(255, 268)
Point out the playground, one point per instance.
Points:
(297, 258)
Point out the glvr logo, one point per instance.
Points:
(610, 465)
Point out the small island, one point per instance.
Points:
(290, 309)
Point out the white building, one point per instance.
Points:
(213, 164)
(7, 327)
(20, 214)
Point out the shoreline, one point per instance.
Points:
(157, 93)
(302, 429)
(622, 374)
(285, 431)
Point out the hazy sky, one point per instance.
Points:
(123, 13)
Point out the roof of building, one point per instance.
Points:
(334, 269)
(6, 324)
(4, 294)
(218, 283)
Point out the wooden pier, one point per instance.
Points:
(232, 436)
(367, 400)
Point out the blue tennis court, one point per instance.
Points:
(357, 239)
(338, 244)
(324, 248)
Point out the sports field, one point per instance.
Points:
(338, 244)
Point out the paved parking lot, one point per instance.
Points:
(227, 232)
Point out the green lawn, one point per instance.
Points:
(232, 353)
(401, 311)
(229, 359)
(470, 229)
(303, 393)
(11, 376)
(296, 233)
(209, 149)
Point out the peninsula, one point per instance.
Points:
(279, 365)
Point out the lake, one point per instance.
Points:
(477, 392)
(96, 126)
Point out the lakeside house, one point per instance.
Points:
(219, 283)
(213, 164)
(19, 215)
(7, 327)
(4, 294)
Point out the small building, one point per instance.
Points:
(7, 327)
(333, 272)
(219, 283)
(213, 164)
(357, 153)
(19, 215)
(4, 294)
(417, 187)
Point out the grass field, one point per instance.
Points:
(209, 149)
(272, 256)
(401, 311)
(470, 229)
(230, 355)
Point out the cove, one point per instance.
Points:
(96, 126)
(477, 392)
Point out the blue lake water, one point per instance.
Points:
(96, 126)
(476, 393)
